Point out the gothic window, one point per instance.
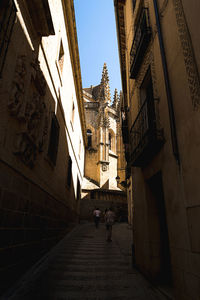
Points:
(110, 141)
(69, 172)
(7, 20)
(54, 139)
(89, 137)
(61, 57)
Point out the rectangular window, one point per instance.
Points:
(61, 57)
(54, 139)
(7, 20)
(69, 172)
(78, 190)
(73, 111)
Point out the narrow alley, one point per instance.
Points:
(99, 120)
(84, 266)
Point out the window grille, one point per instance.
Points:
(7, 19)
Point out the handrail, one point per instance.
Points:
(140, 111)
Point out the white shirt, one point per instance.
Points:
(96, 213)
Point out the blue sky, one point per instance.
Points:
(97, 39)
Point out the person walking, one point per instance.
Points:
(96, 214)
(109, 221)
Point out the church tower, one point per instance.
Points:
(102, 121)
(104, 148)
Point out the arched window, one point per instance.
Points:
(110, 141)
(89, 137)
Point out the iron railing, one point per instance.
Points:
(7, 20)
(140, 42)
(145, 138)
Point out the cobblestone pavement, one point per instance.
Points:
(84, 266)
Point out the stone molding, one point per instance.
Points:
(188, 53)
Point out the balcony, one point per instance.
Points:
(145, 139)
(141, 41)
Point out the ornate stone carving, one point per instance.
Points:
(38, 77)
(31, 110)
(37, 120)
(188, 53)
(25, 149)
(16, 99)
(104, 167)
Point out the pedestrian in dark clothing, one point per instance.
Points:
(96, 214)
(109, 221)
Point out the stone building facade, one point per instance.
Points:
(104, 158)
(159, 55)
(42, 132)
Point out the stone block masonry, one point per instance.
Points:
(31, 222)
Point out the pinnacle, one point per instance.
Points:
(105, 77)
(105, 84)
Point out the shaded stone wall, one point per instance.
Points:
(32, 221)
(40, 147)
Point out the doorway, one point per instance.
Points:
(160, 265)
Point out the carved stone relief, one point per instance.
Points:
(104, 167)
(188, 53)
(31, 110)
(25, 149)
(16, 99)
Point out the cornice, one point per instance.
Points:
(121, 34)
(70, 22)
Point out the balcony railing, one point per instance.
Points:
(145, 139)
(140, 43)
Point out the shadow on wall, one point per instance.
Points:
(34, 210)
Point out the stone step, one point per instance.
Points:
(79, 262)
(86, 268)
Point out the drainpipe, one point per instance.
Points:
(167, 86)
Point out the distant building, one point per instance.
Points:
(42, 133)
(159, 50)
(104, 156)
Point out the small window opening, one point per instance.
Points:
(69, 172)
(61, 57)
(89, 137)
(110, 141)
(54, 139)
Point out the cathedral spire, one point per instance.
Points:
(105, 84)
(105, 77)
(115, 99)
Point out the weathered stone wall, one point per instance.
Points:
(38, 202)
(181, 191)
